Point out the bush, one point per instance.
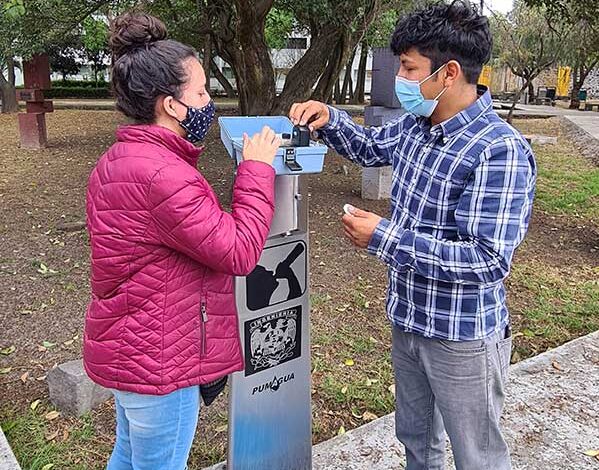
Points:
(77, 92)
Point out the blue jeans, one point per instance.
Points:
(154, 431)
(456, 387)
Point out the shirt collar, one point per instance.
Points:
(464, 118)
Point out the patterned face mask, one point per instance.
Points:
(198, 120)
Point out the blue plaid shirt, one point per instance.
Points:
(461, 201)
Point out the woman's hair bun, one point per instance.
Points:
(133, 30)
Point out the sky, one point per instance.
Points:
(502, 6)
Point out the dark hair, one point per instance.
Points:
(145, 65)
(444, 32)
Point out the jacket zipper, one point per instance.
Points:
(203, 319)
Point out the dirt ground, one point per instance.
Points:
(44, 286)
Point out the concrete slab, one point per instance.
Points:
(7, 458)
(589, 124)
(583, 131)
(550, 418)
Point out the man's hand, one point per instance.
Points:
(359, 226)
(313, 113)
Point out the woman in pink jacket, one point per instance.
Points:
(161, 328)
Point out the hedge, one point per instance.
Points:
(79, 84)
(77, 92)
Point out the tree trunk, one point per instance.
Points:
(339, 57)
(7, 89)
(10, 66)
(207, 61)
(337, 93)
(303, 75)
(531, 93)
(251, 62)
(527, 82)
(225, 83)
(347, 77)
(580, 76)
(358, 97)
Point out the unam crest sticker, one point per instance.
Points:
(272, 339)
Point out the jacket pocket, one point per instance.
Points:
(203, 321)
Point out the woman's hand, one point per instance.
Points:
(261, 147)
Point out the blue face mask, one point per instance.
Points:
(197, 122)
(411, 98)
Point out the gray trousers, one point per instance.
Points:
(455, 387)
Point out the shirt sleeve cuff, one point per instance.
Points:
(385, 244)
(380, 237)
(334, 121)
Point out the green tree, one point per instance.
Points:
(64, 56)
(581, 52)
(279, 26)
(238, 30)
(30, 27)
(526, 44)
(95, 44)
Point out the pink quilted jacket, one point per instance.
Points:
(163, 256)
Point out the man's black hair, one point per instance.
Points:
(443, 32)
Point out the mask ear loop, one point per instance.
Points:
(440, 94)
(186, 106)
(433, 74)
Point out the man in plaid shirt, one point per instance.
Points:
(463, 185)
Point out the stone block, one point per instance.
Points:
(32, 128)
(541, 139)
(376, 183)
(385, 66)
(72, 391)
(379, 115)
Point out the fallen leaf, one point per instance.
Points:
(592, 452)
(368, 416)
(51, 437)
(48, 466)
(48, 344)
(52, 415)
(341, 431)
(8, 351)
(556, 365)
(5, 370)
(344, 390)
(34, 404)
(43, 269)
(372, 340)
(349, 362)
(24, 377)
(391, 389)
(69, 342)
(222, 428)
